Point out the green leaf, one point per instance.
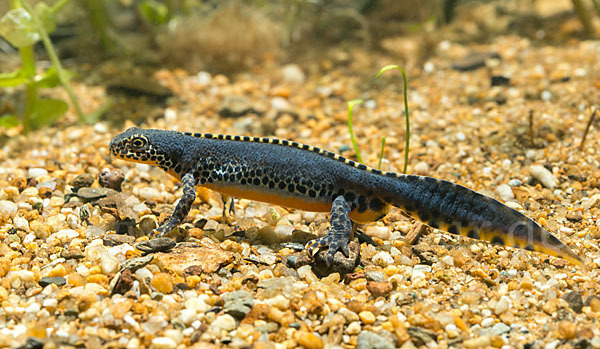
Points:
(154, 11)
(12, 79)
(9, 121)
(18, 28)
(46, 111)
(50, 78)
(46, 16)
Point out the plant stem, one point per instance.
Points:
(381, 153)
(59, 5)
(582, 13)
(31, 91)
(62, 76)
(406, 111)
(587, 128)
(351, 105)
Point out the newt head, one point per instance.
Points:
(153, 147)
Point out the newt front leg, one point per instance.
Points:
(183, 206)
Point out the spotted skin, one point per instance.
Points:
(304, 177)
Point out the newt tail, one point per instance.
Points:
(304, 177)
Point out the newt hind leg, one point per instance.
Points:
(339, 234)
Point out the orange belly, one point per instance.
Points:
(295, 202)
(281, 200)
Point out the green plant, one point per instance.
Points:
(23, 26)
(351, 105)
(406, 111)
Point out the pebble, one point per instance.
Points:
(237, 303)
(497, 329)
(371, 340)
(502, 305)
(543, 175)
(515, 183)
(567, 329)
(8, 208)
(366, 317)
(62, 236)
(47, 280)
(353, 328)
(381, 232)
(375, 275)
(82, 180)
(505, 192)
(421, 168)
(574, 300)
(280, 104)
(379, 289)
(309, 340)
(163, 343)
(292, 73)
(149, 193)
(111, 178)
(37, 172)
(162, 282)
(487, 322)
(383, 259)
(476, 343)
(224, 322)
(156, 245)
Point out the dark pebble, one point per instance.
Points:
(47, 280)
(499, 80)
(574, 300)
(341, 264)
(117, 239)
(474, 60)
(82, 180)
(91, 194)
(111, 178)
(156, 245)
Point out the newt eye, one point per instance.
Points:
(138, 143)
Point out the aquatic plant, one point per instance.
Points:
(406, 112)
(22, 26)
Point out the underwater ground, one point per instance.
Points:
(505, 116)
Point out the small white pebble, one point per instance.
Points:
(461, 137)
(8, 207)
(428, 67)
(505, 192)
(224, 322)
(383, 259)
(170, 115)
(448, 260)
(37, 172)
(502, 305)
(543, 175)
(163, 343)
(379, 232)
(25, 275)
(100, 127)
(20, 223)
(546, 95)
(487, 322)
(280, 104)
(353, 328)
(421, 168)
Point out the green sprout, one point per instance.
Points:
(351, 105)
(407, 115)
(381, 153)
